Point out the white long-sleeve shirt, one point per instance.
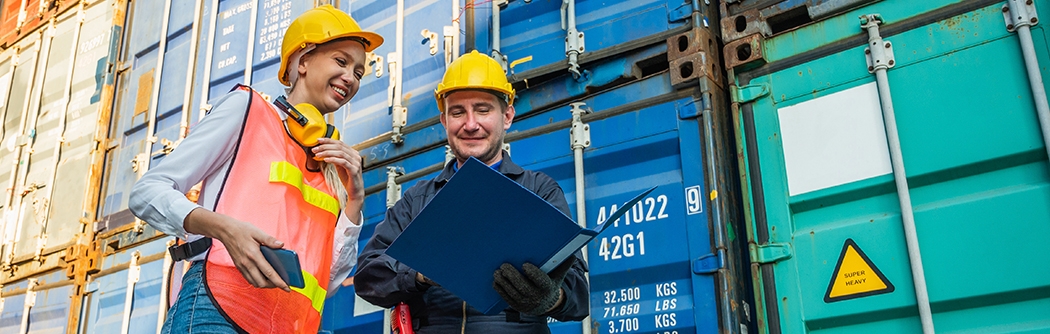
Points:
(159, 196)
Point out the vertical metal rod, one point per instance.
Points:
(580, 139)
(574, 43)
(158, 74)
(496, 53)
(27, 307)
(249, 59)
(1035, 77)
(469, 27)
(66, 96)
(495, 28)
(455, 28)
(165, 286)
(399, 48)
(900, 177)
(184, 125)
(21, 14)
(392, 196)
(721, 240)
(129, 294)
(399, 116)
(209, 54)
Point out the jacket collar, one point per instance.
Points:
(506, 167)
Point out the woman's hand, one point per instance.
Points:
(242, 241)
(348, 163)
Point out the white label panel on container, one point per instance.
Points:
(834, 140)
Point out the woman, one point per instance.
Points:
(274, 175)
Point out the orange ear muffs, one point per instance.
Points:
(305, 123)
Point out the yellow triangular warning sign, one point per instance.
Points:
(855, 276)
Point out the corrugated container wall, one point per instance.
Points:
(643, 79)
(894, 162)
(645, 75)
(56, 90)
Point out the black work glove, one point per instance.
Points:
(533, 293)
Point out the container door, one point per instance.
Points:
(46, 297)
(533, 33)
(642, 268)
(75, 188)
(151, 92)
(830, 242)
(18, 102)
(107, 296)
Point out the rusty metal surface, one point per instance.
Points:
(746, 52)
(743, 18)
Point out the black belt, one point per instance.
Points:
(189, 249)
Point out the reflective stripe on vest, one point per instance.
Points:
(269, 186)
(285, 172)
(313, 290)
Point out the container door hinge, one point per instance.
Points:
(710, 263)
(580, 133)
(748, 93)
(770, 253)
(393, 190)
(1024, 15)
(879, 53)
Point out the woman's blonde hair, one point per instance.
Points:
(331, 177)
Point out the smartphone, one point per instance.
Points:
(286, 263)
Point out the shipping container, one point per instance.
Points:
(894, 213)
(778, 207)
(53, 84)
(129, 292)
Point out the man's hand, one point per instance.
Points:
(534, 293)
(423, 279)
(242, 241)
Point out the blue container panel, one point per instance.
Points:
(51, 312)
(11, 318)
(274, 16)
(229, 56)
(105, 303)
(641, 279)
(135, 88)
(534, 29)
(369, 114)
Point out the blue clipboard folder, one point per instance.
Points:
(481, 219)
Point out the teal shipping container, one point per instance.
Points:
(895, 163)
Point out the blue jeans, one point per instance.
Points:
(194, 311)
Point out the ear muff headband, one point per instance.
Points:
(305, 123)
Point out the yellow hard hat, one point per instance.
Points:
(474, 71)
(320, 25)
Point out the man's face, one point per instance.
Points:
(475, 125)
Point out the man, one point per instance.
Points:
(475, 100)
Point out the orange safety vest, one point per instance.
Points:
(268, 185)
